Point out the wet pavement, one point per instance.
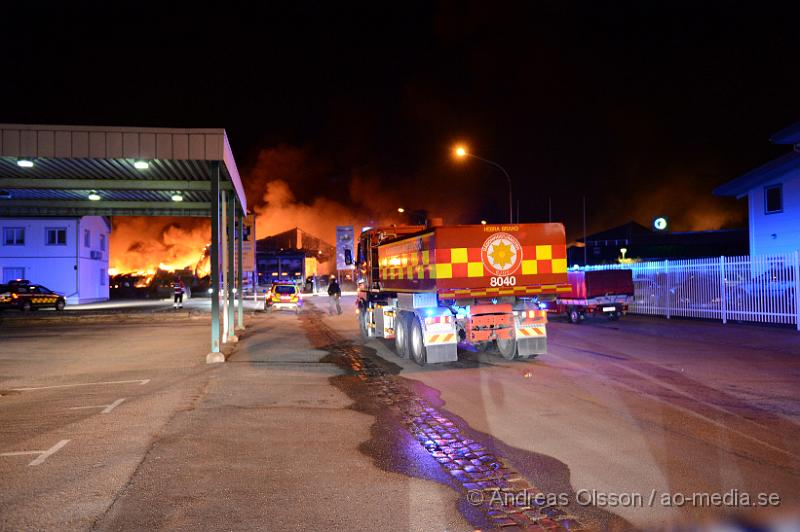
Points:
(410, 418)
(652, 410)
(309, 427)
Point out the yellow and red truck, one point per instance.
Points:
(478, 287)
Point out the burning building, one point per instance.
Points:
(293, 255)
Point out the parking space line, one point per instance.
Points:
(43, 455)
(140, 381)
(106, 408)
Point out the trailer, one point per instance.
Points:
(596, 292)
(436, 289)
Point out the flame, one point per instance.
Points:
(143, 246)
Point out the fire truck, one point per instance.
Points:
(479, 287)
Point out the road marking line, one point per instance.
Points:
(140, 381)
(106, 408)
(43, 455)
(112, 406)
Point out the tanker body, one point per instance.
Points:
(480, 287)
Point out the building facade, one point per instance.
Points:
(66, 255)
(773, 199)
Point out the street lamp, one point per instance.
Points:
(401, 210)
(461, 152)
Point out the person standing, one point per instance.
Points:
(178, 288)
(334, 293)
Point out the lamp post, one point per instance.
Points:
(461, 152)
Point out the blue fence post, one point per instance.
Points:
(723, 296)
(797, 288)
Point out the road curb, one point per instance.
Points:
(21, 321)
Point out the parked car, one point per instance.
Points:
(23, 295)
(775, 284)
(696, 291)
(776, 281)
(645, 292)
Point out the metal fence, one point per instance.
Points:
(763, 288)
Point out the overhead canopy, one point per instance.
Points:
(72, 163)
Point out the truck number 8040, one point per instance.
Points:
(503, 281)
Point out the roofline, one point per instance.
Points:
(773, 169)
(787, 135)
(112, 142)
(120, 129)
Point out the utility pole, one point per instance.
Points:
(585, 251)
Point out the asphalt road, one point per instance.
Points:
(294, 432)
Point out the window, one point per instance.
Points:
(87, 238)
(56, 236)
(9, 274)
(285, 290)
(102, 242)
(103, 274)
(773, 199)
(13, 236)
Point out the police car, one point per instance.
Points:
(284, 296)
(23, 295)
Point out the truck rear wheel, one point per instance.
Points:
(362, 322)
(417, 342)
(573, 315)
(401, 335)
(507, 348)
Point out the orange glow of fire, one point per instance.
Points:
(142, 247)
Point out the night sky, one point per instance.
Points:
(643, 109)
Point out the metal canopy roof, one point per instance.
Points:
(72, 162)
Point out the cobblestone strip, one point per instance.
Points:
(503, 494)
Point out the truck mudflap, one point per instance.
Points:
(441, 353)
(441, 340)
(531, 333)
(530, 347)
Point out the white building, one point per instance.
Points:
(67, 255)
(773, 199)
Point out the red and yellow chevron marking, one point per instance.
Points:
(447, 338)
(506, 291)
(530, 331)
(453, 263)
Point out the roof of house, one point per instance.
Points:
(744, 183)
(625, 231)
(788, 135)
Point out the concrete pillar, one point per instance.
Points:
(230, 275)
(214, 356)
(240, 268)
(225, 277)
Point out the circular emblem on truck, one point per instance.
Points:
(501, 254)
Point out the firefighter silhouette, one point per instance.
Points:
(178, 288)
